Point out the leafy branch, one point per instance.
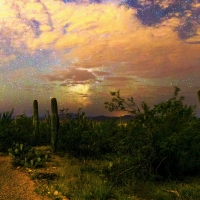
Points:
(120, 104)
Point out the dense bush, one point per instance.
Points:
(86, 138)
(6, 129)
(15, 129)
(161, 142)
(44, 137)
(23, 129)
(19, 129)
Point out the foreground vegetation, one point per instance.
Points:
(83, 179)
(152, 157)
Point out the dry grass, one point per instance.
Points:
(64, 177)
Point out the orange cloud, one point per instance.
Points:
(70, 74)
(103, 44)
(92, 36)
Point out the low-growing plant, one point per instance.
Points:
(24, 155)
(169, 190)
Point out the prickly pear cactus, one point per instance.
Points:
(54, 124)
(23, 155)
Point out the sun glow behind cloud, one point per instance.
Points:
(79, 52)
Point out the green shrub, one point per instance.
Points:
(15, 129)
(24, 155)
(162, 142)
(44, 138)
(85, 138)
(90, 186)
(6, 130)
(19, 129)
(23, 132)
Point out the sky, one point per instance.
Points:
(79, 52)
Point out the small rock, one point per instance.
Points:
(65, 198)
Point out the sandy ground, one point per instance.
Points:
(15, 185)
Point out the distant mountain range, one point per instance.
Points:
(102, 118)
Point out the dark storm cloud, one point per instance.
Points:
(70, 74)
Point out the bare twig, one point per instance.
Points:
(160, 164)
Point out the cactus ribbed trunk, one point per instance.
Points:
(198, 93)
(54, 124)
(35, 120)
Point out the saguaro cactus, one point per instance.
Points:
(198, 93)
(35, 120)
(54, 124)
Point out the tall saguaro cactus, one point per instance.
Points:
(35, 120)
(198, 93)
(54, 124)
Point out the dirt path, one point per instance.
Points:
(14, 184)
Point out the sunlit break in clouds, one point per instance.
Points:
(80, 51)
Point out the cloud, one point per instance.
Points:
(97, 48)
(116, 79)
(6, 59)
(100, 73)
(70, 40)
(73, 75)
(91, 36)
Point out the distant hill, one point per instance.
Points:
(100, 118)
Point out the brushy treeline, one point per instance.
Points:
(161, 143)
